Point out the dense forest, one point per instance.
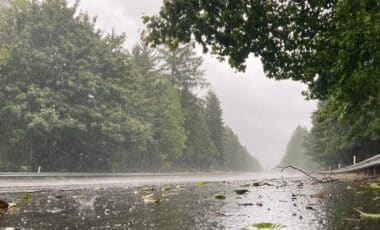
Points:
(331, 46)
(72, 98)
(295, 154)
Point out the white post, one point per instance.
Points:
(354, 159)
(339, 166)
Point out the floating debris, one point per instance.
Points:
(147, 196)
(374, 186)
(152, 200)
(26, 196)
(367, 215)
(166, 188)
(264, 225)
(200, 183)
(318, 195)
(245, 204)
(147, 189)
(178, 186)
(240, 191)
(4, 206)
(219, 196)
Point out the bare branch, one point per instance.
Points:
(323, 180)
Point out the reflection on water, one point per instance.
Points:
(120, 205)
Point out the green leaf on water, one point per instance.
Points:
(263, 225)
(200, 183)
(241, 191)
(367, 215)
(374, 186)
(26, 196)
(219, 196)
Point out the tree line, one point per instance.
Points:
(73, 99)
(331, 46)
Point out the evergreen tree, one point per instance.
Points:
(164, 101)
(214, 120)
(182, 67)
(200, 152)
(295, 151)
(237, 156)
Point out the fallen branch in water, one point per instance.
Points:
(325, 179)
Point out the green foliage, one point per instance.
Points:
(264, 225)
(237, 157)
(26, 196)
(295, 151)
(200, 151)
(214, 121)
(335, 139)
(332, 46)
(63, 103)
(182, 67)
(73, 99)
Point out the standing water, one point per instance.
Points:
(183, 201)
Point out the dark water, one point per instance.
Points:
(106, 202)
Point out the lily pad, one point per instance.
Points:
(367, 215)
(241, 191)
(219, 196)
(263, 226)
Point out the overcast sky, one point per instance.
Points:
(262, 112)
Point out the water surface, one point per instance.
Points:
(105, 201)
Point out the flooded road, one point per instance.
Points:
(180, 201)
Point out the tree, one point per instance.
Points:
(237, 156)
(63, 102)
(295, 151)
(335, 140)
(182, 67)
(73, 99)
(167, 114)
(214, 121)
(200, 152)
(295, 39)
(332, 46)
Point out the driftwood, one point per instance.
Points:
(325, 179)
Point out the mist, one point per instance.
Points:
(261, 111)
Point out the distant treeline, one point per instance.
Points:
(73, 99)
(295, 154)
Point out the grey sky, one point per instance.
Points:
(262, 112)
